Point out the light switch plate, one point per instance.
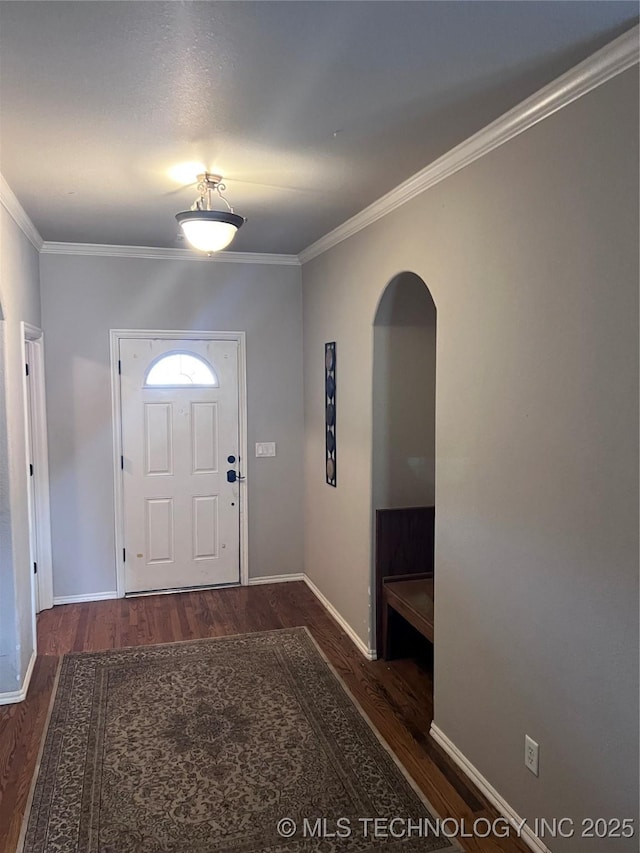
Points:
(265, 448)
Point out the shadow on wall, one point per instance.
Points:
(404, 395)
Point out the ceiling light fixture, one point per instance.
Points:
(206, 229)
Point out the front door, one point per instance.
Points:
(180, 442)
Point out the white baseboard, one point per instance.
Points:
(20, 695)
(276, 579)
(370, 654)
(89, 596)
(527, 834)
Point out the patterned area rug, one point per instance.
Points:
(242, 744)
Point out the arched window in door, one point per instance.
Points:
(181, 368)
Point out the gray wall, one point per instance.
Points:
(404, 396)
(531, 256)
(84, 297)
(19, 301)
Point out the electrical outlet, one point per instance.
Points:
(531, 749)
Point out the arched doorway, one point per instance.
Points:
(403, 465)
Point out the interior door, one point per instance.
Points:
(180, 441)
(32, 503)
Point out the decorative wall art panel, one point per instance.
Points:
(330, 411)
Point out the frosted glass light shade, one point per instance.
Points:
(209, 230)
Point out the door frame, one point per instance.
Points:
(115, 336)
(35, 417)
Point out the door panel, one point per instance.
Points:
(158, 438)
(160, 530)
(181, 516)
(204, 438)
(205, 527)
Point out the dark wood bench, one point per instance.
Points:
(404, 569)
(411, 596)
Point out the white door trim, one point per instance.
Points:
(34, 394)
(115, 336)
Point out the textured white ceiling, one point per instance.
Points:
(311, 110)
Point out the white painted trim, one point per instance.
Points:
(276, 579)
(17, 212)
(614, 58)
(30, 498)
(20, 695)
(362, 646)
(157, 253)
(115, 336)
(118, 495)
(527, 834)
(370, 654)
(89, 596)
(35, 387)
(244, 455)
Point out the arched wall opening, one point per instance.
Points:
(404, 395)
(403, 476)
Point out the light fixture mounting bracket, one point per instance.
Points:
(207, 181)
(208, 184)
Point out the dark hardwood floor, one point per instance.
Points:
(397, 696)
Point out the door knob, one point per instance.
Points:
(232, 476)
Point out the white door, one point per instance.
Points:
(32, 503)
(37, 469)
(180, 438)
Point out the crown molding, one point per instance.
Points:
(17, 212)
(611, 60)
(156, 253)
